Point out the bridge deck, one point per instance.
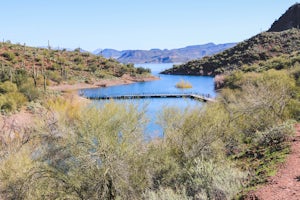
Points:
(143, 96)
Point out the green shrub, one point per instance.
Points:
(211, 179)
(102, 74)
(93, 68)
(77, 50)
(276, 136)
(232, 81)
(78, 67)
(16, 98)
(9, 56)
(5, 73)
(142, 70)
(295, 72)
(21, 77)
(85, 54)
(8, 105)
(31, 92)
(55, 76)
(7, 87)
(55, 66)
(78, 60)
(294, 106)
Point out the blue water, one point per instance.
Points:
(166, 84)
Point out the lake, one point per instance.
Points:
(166, 84)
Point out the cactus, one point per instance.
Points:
(10, 74)
(34, 71)
(34, 75)
(44, 75)
(45, 78)
(24, 48)
(49, 47)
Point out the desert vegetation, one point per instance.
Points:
(62, 65)
(81, 152)
(65, 147)
(73, 150)
(26, 72)
(183, 84)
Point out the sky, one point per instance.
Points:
(135, 24)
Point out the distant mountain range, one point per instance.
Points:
(164, 56)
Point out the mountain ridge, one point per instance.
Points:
(176, 55)
(263, 46)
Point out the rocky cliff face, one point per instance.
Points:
(290, 19)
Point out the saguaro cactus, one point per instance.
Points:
(24, 48)
(10, 74)
(49, 47)
(34, 75)
(44, 76)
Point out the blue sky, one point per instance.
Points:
(135, 24)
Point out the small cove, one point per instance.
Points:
(166, 84)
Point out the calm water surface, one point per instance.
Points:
(166, 84)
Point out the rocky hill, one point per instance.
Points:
(59, 65)
(165, 56)
(261, 47)
(290, 19)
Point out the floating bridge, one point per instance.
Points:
(200, 97)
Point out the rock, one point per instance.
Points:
(290, 19)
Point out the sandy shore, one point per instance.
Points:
(125, 79)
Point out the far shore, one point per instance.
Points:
(124, 80)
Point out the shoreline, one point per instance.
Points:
(124, 80)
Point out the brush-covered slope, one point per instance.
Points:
(260, 47)
(59, 65)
